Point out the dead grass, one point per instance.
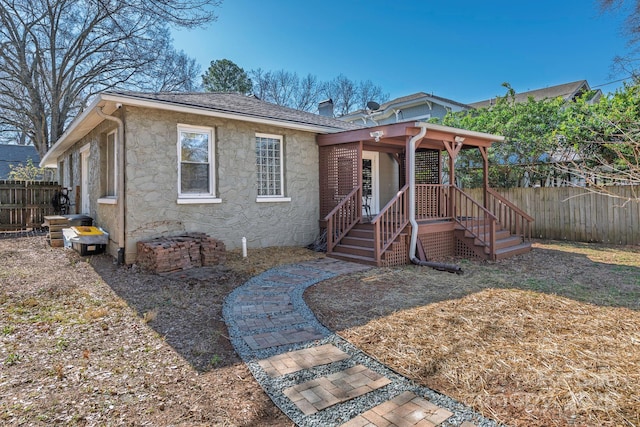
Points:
(551, 338)
(521, 354)
(84, 342)
(260, 260)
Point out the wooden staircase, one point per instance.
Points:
(358, 245)
(506, 244)
(484, 231)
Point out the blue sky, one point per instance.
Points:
(462, 50)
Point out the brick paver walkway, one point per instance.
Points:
(313, 375)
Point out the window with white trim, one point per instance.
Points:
(269, 165)
(108, 156)
(196, 177)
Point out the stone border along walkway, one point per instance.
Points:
(315, 377)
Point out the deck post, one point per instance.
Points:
(485, 176)
(453, 148)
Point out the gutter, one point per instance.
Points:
(121, 181)
(413, 145)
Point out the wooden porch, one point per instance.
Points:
(425, 219)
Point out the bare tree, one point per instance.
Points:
(303, 93)
(56, 54)
(286, 88)
(343, 92)
(348, 95)
(627, 64)
(172, 71)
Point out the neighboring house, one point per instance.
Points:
(228, 165)
(567, 91)
(232, 166)
(16, 155)
(570, 92)
(418, 106)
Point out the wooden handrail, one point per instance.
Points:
(510, 216)
(432, 202)
(475, 219)
(343, 217)
(390, 222)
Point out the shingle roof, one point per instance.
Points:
(409, 98)
(419, 95)
(16, 155)
(241, 105)
(567, 91)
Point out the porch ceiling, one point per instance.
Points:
(394, 137)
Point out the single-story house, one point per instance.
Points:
(147, 165)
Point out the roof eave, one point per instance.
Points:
(204, 111)
(463, 132)
(73, 134)
(76, 131)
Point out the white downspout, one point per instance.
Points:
(121, 170)
(413, 145)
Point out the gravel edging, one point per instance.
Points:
(342, 412)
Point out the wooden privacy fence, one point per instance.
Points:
(24, 204)
(576, 214)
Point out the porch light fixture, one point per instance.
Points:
(459, 140)
(377, 135)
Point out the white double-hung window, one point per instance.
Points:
(196, 165)
(270, 168)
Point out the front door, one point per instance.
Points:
(370, 185)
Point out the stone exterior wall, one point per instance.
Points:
(152, 184)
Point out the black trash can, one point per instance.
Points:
(79, 220)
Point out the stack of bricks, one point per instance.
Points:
(166, 254)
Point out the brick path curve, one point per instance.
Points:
(315, 377)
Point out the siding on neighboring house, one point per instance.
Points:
(16, 155)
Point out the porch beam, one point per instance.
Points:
(383, 148)
(398, 130)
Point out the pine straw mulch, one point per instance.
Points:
(500, 338)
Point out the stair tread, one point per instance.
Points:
(513, 248)
(354, 258)
(353, 246)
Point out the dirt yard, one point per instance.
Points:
(84, 342)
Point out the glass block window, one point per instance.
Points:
(269, 166)
(196, 162)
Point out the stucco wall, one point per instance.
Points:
(152, 181)
(104, 216)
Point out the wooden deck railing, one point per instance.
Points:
(343, 217)
(432, 202)
(390, 222)
(509, 215)
(475, 219)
